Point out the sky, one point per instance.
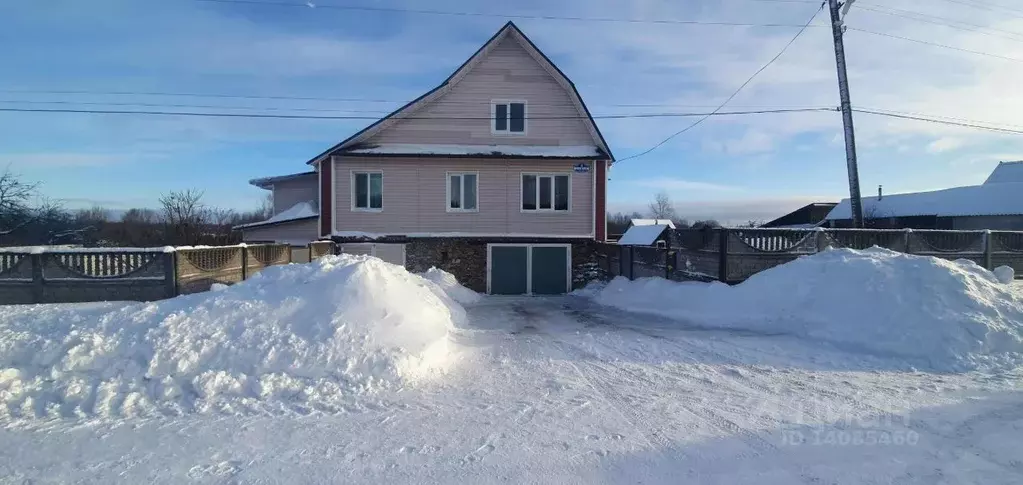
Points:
(369, 62)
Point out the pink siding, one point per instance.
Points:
(415, 198)
(508, 72)
(298, 232)
(290, 192)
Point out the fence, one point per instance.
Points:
(104, 274)
(732, 255)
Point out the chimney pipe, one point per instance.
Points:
(879, 194)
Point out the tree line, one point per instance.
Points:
(662, 207)
(181, 218)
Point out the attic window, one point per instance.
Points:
(509, 117)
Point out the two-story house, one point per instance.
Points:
(498, 175)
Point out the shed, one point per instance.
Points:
(646, 235)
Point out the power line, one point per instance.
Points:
(306, 117)
(498, 15)
(734, 94)
(943, 22)
(992, 7)
(935, 44)
(937, 18)
(939, 121)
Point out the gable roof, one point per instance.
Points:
(508, 29)
(1006, 172)
(642, 235)
(651, 222)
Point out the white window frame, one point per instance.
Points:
(447, 191)
(369, 193)
(538, 175)
(508, 132)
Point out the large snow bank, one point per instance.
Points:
(292, 338)
(952, 315)
(447, 282)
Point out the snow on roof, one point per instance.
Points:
(642, 235)
(301, 210)
(267, 182)
(1006, 172)
(482, 150)
(975, 200)
(652, 222)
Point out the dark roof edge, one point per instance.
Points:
(263, 182)
(242, 227)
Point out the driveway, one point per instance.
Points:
(560, 390)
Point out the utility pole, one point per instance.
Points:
(837, 29)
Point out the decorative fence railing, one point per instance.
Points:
(732, 255)
(106, 274)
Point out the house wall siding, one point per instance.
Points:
(508, 72)
(415, 198)
(298, 232)
(290, 192)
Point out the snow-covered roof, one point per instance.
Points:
(1006, 172)
(975, 200)
(652, 222)
(301, 210)
(479, 150)
(642, 235)
(267, 182)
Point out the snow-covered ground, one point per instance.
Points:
(563, 390)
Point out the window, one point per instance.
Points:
(462, 189)
(368, 191)
(545, 192)
(509, 117)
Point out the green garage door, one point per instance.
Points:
(508, 270)
(550, 270)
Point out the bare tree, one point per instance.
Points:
(15, 202)
(185, 216)
(662, 207)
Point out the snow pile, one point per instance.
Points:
(950, 315)
(292, 338)
(447, 282)
(1005, 274)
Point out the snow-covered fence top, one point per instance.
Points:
(61, 274)
(734, 254)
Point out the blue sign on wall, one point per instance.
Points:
(582, 167)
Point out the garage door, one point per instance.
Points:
(529, 269)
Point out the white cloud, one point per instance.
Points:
(945, 144)
(59, 159)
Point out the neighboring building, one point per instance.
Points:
(995, 204)
(650, 222)
(810, 215)
(295, 211)
(647, 235)
(498, 176)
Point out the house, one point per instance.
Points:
(295, 210)
(810, 215)
(498, 175)
(996, 204)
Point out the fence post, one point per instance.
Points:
(667, 263)
(988, 245)
(723, 255)
(37, 277)
(820, 240)
(906, 235)
(245, 262)
(170, 272)
(291, 257)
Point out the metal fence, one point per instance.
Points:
(732, 255)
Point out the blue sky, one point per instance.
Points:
(730, 168)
